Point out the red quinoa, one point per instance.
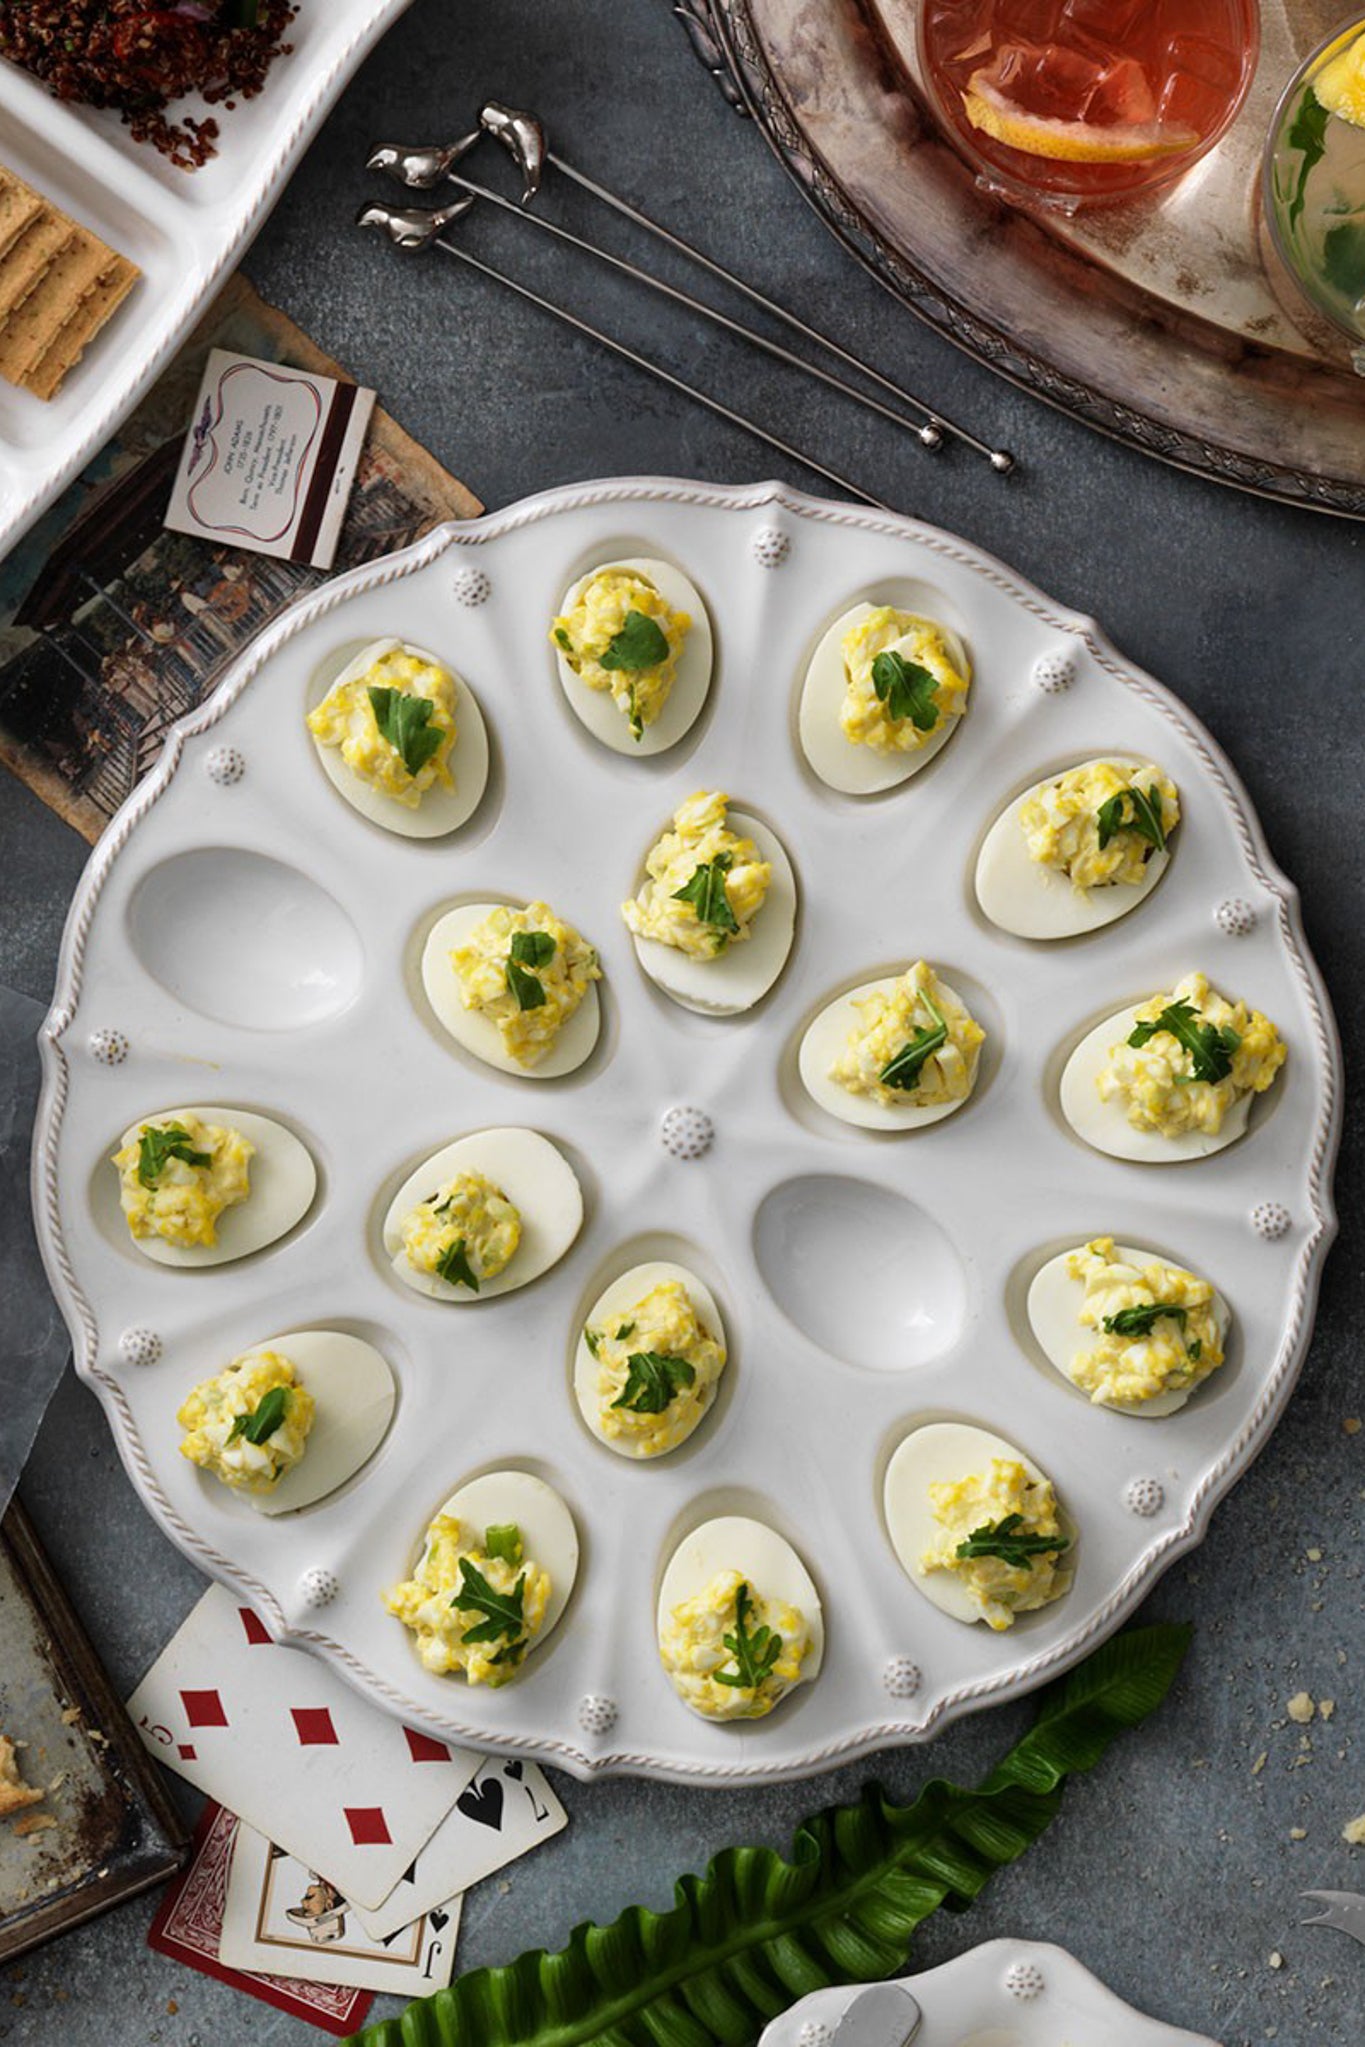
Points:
(138, 56)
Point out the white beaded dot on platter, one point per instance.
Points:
(139, 1346)
(815, 2033)
(471, 587)
(110, 1048)
(1145, 1496)
(225, 765)
(1025, 1981)
(318, 1587)
(901, 1677)
(1053, 673)
(596, 1713)
(771, 547)
(1270, 1219)
(1235, 918)
(687, 1133)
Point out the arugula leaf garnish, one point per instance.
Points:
(501, 1610)
(653, 1381)
(641, 643)
(265, 1417)
(454, 1267)
(754, 1654)
(532, 948)
(405, 722)
(593, 1338)
(626, 1329)
(503, 1540)
(528, 988)
(1140, 1321)
(905, 1069)
(1003, 1539)
(907, 689)
(157, 1145)
(1194, 1350)
(563, 638)
(1210, 1046)
(1307, 132)
(706, 893)
(1145, 820)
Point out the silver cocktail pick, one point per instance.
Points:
(1345, 1910)
(384, 156)
(523, 136)
(412, 230)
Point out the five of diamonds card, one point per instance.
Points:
(350, 1837)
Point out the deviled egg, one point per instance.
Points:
(1171, 1078)
(884, 691)
(492, 1579)
(739, 1620)
(976, 1524)
(715, 915)
(649, 1359)
(291, 1420)
(893, 1054)
(514, 986)
(203, 1186)
(1129, 1330)
(483, 1216)
(1078, 850)
(633, 646)
(401, 737)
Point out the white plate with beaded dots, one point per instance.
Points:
(868, 1282)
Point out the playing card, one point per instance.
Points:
(189, 1921)
(507, 1809)
(283, 1916)
(273, 1735)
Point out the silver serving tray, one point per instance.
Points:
(1154, 320)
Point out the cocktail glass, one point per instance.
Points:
(1059, 103)
(1314, 195)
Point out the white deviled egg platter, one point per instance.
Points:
(245, 936)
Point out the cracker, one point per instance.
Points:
(37, 247)
(45, 376)
(20, 206)
(71, 276)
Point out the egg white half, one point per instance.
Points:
(764, 1559)
(942, 1453)
(1053, 1308)
(1021, 896)
(595, 708)
(741, 975)
(354, 1393)
(1105, 1127)
(859, 770)
(825, 1039)
(617, 1299)
(283, 1181)
(441, 810)
(472, 1029)
(536, 1178)
(548, 1535)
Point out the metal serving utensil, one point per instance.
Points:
(413, 231)
(524, 137)
(1345, 1910)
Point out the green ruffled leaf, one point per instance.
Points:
(757, 1932)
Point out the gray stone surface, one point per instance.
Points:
(1174, 1871)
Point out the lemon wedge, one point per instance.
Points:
(1340, 85)
(987, 108)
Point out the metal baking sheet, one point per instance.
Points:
(1154, 320)
(114, 1830)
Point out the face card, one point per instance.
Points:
(274, 1736)
(507, 1809)
(280, 1915)
(189, 1921)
